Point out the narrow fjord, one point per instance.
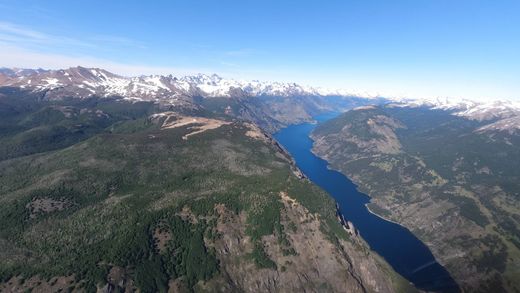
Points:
(396, 244)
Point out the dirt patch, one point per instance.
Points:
(119, 277)
(67, 111)
(187, 215)
(197, 124)
(255, 132)
(361, 108)
(177, 286)
(46, 205)
(287, 199)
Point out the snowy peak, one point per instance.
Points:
(92, 74)
(473, 110)
(95, 81)
(83, 82)
(200, 78)
(51, 79)
(491, 110)
(510, 125)
(502, 115)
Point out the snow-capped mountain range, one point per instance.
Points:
(95, 81)
(84, 82)
(475, 110)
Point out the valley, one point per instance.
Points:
(260, 146)
(105, 194)
(123, 183)
(398, 246)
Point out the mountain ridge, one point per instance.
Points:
(209, 85)
(124, 195)
(452, 181)
(84, 82)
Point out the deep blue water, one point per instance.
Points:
(396, 244)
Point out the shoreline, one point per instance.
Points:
(329, 166)
(423, 251)
(386, 219)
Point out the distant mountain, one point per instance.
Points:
(183, 91)
(17, 72)
(80, 81)
(491, 111)
(271, 105)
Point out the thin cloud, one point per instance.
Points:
(19, 57)
(12, 29)
(15, 34)
(117, 40)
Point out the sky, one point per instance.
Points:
(405, 48)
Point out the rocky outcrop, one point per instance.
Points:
(317, 264)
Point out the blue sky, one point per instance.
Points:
(415, 48)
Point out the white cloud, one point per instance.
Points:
(13, 29)
(27, 48)
(15, 34)
(13, 56)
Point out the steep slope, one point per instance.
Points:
(167, 200)
(453, 181)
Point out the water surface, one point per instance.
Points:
(396, 244)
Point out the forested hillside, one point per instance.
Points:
(114, 195)
(453, 181)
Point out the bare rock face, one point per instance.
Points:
(314, 263)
